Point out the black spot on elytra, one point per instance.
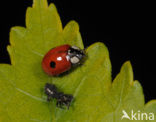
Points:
(52, 64)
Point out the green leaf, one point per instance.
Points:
(96, 97)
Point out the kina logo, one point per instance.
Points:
(137, 115)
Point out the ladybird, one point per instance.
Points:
(60, 59)
(61, 98)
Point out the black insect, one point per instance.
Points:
(62, 99)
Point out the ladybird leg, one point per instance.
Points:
(68, 106)
(59, 104)
(48, 98)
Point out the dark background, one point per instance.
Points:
(127, 29)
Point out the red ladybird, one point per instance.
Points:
(60, 59)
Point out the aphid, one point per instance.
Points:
(61, 98)
(60, 59)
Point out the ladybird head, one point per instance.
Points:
(76, 55)
(50, 89)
